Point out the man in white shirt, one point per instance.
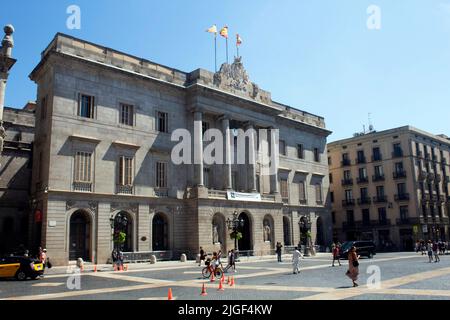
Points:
(296, 260)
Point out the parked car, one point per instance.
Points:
(363, 248)
(20, 268)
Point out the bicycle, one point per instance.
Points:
(206, 271)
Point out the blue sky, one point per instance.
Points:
(315, 55)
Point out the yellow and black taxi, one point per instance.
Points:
(20, 268)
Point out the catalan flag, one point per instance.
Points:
(213, 29)
(224, 32)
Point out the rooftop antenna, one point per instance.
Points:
(371, 128)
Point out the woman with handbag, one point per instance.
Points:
(353, 266)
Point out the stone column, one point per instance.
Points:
(227, 152)
(198, 147)
(274, 188)
(251, 167)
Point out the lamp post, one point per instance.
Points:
(118, 224)
(6, 63)
(234, 224)
(305, 227)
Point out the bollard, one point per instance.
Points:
(152, 259)
(183, 258)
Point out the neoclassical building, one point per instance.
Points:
(102, 159)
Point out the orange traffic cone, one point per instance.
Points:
(95, 268)
(232, 282)
(203, 291)
(221, 286)
(121, 267)
(228, 280)
(126, 267)
(213, 278)
(222, 279)
(169, 296)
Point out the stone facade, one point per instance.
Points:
(179, 215)
(406, 201)
(15, 178)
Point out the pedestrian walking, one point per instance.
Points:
(336, 250)
(417, 246)
(430, 251)
(423, 246)
(296, 260)
(202, 256)
(435, 252)
(353, 266)
(43, 257)
(278, 251)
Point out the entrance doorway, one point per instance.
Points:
(160, 233)
(80, 236)
(287, 231)
(245, 243)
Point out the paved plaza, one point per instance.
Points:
(404, 276)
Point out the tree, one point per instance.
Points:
(120, 238)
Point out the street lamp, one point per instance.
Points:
(118, 224)
(305, 227)
(234, 224)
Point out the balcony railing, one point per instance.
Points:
(397, 153)
(444, 160)
(360, 160)
(406, 221)
(377, 158)
(402, 197)
(348, 202)
(427, 155)
(380, 199)
(399, 174)
(365, 200)
(431, 176)
(426, 197)
(162, 192)
(419, 154)
(362, 180)
(303, 201)
(82, 186)
(437, 178)
(423, 175)
(441, 199)
(124, 189)
(218, 194)
(347, 182)
(376, 178)
(346, 162)
(382, 222)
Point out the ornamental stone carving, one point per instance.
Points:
(91, 205)
(123, 206)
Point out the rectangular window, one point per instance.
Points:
(399, 167)
(361, 158)
(125, 171)
(380, 191)
(382, 215)
(86, 106)
(302, 191)
(319, 196)
(404, 213)
(347, 175)
(284, 188)
(162, 119)
(364, 193)
(401, 188)
(366, 216)
(316, 155)
(378, 171)
(329, 161)
(376, 154)
(282, 147)
(330, 176)
(161, 174)
(300, 151)
(332, 197)
(362, 173)
(398, 152)
(333, 217)
(234, 180)
(126, 114)
(83, 167)
(348, 194)
(350, 217)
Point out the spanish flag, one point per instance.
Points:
(213, 29)
(224, 32)
(238, 40)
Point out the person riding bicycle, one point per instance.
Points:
(215, 262)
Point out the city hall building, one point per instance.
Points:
(102, 159)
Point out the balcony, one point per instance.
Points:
(361, 160)
(162, 192)
(348, 202)
(303, 201)
(426, 197)
(376, 178)
(269, 197)
(362, 180)
(427, 156)
(400, 174)
(423, 175)
(380, 199)
(431, 177)
(347, 182)
(441, 199)
(444, 160)
(82, 186)
(377, 158)
(419, 154)
(402, 197)
(382, 222)
(437, 178)
(363, 201)
(434, 198)
(346, 162)
(398, 153)
(434, 157)
(407, 221)
(124, 189)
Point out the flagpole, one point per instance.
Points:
(227, 50)
(215, 52)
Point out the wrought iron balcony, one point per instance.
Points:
(419, 154)
(437, 178)
(402, 197)
(407, 221)
(441, 199)
(376, 178)
(348, 202)
(362, 180)
(380, 199)
(426, 197)
(360, 160)
(347, 182)
(423, 175)
(383, 222)
(431, 176)
(124, 189)
(399, 174)
(163, 192)
(377, 158)
(346, 162)
(398, 153)
(427, 155)
(82, 186)
(366, 200)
